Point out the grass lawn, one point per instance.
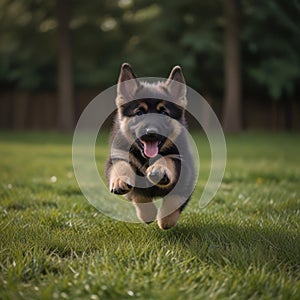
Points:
(244, 245)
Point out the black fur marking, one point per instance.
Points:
(176, 112)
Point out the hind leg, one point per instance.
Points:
(145, 208)
(170, 210)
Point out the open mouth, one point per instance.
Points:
(150, 145)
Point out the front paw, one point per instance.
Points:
(158, 174)
(120, 186)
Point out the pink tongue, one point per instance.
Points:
(150, 148)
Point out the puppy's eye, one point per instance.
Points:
(165, 113)
(139, 113)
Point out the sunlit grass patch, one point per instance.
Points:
(244, 244)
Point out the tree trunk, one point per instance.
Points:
(232, 103)
(288, 113)
(65, 80)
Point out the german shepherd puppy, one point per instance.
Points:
(150, 152)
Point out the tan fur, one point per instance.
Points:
(162, 166)
(145, 208)
(176, 131)
(168, 214)
(142, 106)
(125, 129)
(121, 175)
(161, 106)
(169, 221)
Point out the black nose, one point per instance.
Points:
(151, 131)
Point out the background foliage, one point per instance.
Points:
(152, 37)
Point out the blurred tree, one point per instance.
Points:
(232, 60)
(272, 52)
(153, 37)
(188, 33)
(65, 80)
(272, 45)
(27, 55)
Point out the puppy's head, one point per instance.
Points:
(151, 115)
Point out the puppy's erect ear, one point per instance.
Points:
(177, 90)
(127, 83)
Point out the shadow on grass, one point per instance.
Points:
(239, 245)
